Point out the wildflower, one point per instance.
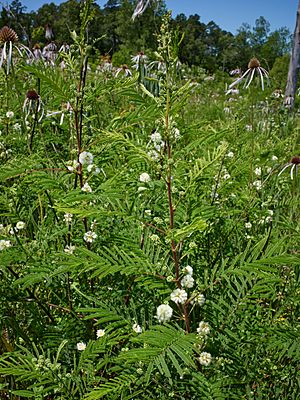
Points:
(37, 53)
(257, 171)
(187, 281)
(188, 270)
(137, 328)
(48, 32)
(176, 133)
(230, 154)
(248, 225)
(10, 114)
(139, 59)
(69, 249)
(100, 333)
(20, 225)
(203, 328)
(153, 155)
(17, 127)
(124, 69)
(164, 313)
(257, 184)
(144, 177)
(72, 165)
(94, 169)
(294, 164)
(198, 298)
(253, 66)
(8, 42)
(140, 8)
(50, 53)
(154, 238)
(205, 358)
(86, 188)
(148, 212)
(4, 244)
(156, 137)
(81, 346)
(179, 296)
(33, 104)
(68, 218)
(236, 71)
(274, 158)
(86, 158)
(90, 236)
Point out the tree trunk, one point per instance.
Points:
(293, 73)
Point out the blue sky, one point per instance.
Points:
(228, 14)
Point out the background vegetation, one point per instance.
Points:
(127, 189)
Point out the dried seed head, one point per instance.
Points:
(295, 160)
(253, 63)
(8, 35)
(32, 95)
(36, 46)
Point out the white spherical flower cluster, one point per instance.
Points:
(68, 218)
(100, 333)
(164, 313)
(156, 137)
(10, 114)
(20, 225)
(257, 171)
(248, 225)
(187, 281)
(205, 358)
(144, 177)
(137, 328)
(86, 188)
(198, 298)
(69, 249)
(86, 158)
(274, 158)
(188, 270)
(81, 346)
(90, 236)
(257, 184)
(230, 154)
(72, 165)
(179, 296)
(203, 328)
(94, 169)
(4, 244)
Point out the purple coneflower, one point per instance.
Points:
(33, 104)
(253, 66)
(294, 164)
(140, 8)
(8, 42)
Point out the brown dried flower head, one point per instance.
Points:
(253, 63)
(8, 35)
(32, 95)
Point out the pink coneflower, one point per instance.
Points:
(140, 8)
(9, 42)
(294, 164)
(126, 71)
(253, 66)
(33, 104)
